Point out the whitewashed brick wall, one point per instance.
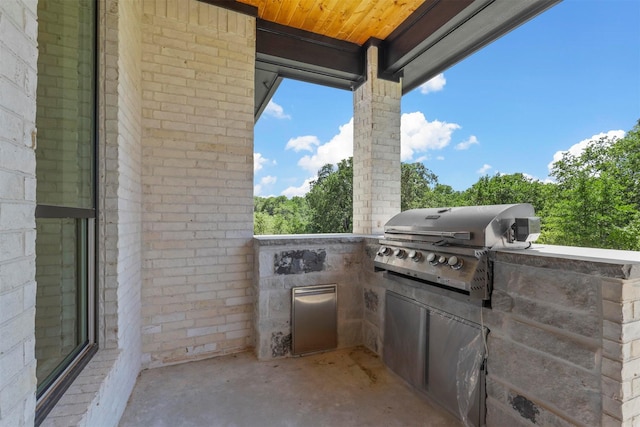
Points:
(18, 78)
(376, 150)
(198, 77)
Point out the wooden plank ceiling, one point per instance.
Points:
(354, 21)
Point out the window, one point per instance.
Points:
(66, 196)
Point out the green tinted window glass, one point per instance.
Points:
(65, 103)
(61, 298)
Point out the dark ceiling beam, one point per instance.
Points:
(266, 84)
(233, 5)
(397, 49)
(483, 22)
(303, 50)
(285, 52)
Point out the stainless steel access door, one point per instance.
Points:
(314, 323)
(405, 338)
(455, 375)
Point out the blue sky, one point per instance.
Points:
(548, 86)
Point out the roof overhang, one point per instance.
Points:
(435, 36)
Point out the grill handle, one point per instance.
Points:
(460, 235)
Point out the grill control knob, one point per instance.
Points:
(431, 258)
(415, 256)
(442, 259)
(455, 263)
(400, 253)
(384, 251)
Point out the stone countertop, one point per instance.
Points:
(604, 262)
(301, 239)
(610, 256)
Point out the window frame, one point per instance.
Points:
(76, 361)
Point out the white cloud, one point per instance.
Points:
(440, 158)
(418, 135)
(300, 143)
(258, 161)
(274, 110)
(484, 169)
(464, 145)
(434, 85)
(340, 147)
(299, 191)
(577, 149)
(265, 181)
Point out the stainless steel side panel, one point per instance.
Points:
(456, 353)
(314, 324)
(405, 339)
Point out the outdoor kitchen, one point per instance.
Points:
(546, 337)
(165, 272)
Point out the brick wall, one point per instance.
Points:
(376, 150)
(18, 50)
(198, 77)
(620, 380)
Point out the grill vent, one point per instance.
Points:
(479, 286)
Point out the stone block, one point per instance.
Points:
(614, 389)
(615, 350)
(631, 332)
(610, 421)
(630, 369)
(579, 322)
(547, 380)
(349, 333)
(571, 263)
(584, 353)
(498, 415)
(612, 290)
(615, 311)
(371, 337)
(279, 304)
(501, 301)
(611, 331)
(565, 289)
(612, 368)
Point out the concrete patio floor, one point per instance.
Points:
(348, 387)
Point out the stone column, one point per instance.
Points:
(376, 150)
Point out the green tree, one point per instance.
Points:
(625, 155)
(506, 189)
(280, 215)
(597, 201)
(420, 189)
(330, 199)
(416, 182)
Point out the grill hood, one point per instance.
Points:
(477, 226)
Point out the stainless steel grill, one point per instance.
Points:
(450, 246)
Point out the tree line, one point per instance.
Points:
(594, 200)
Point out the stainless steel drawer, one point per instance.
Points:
(314, 320)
